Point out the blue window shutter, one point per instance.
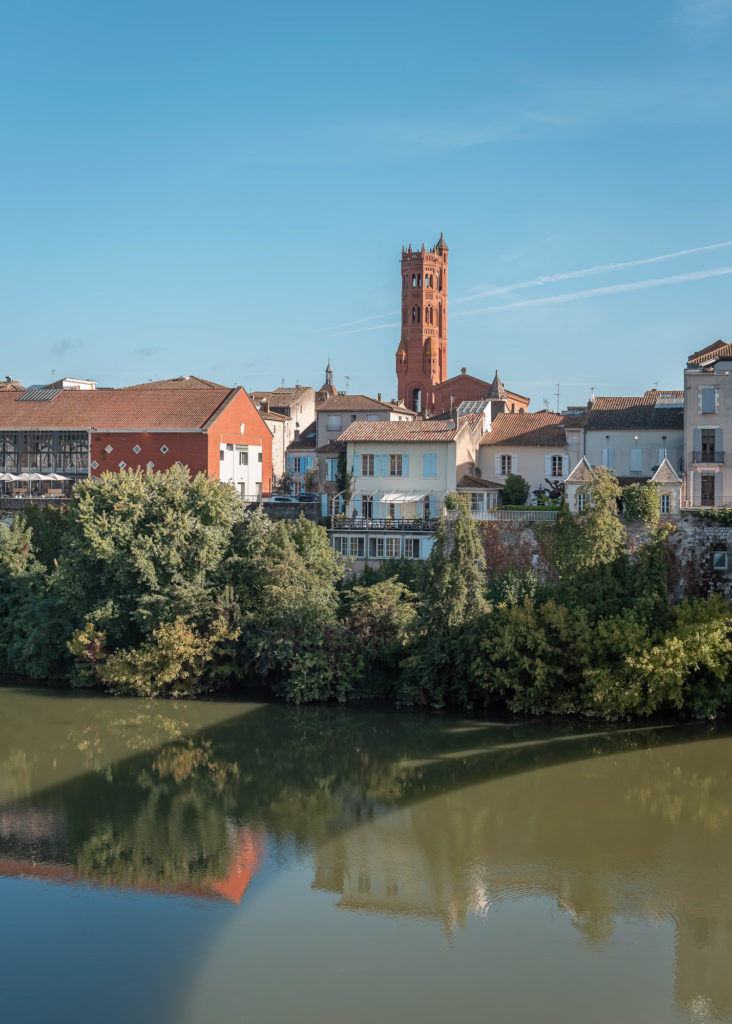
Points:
(324, 504)
(697, 439)
(357, 465)
(717, 439)
(309, 462)
(290, 462)
(383, 465)
(405, 465)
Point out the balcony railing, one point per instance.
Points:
(366, 523)
(706, 456)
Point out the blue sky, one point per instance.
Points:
(223, 189)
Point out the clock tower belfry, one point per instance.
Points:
(421, 358)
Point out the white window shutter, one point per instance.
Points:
(565, 465)
(498, 465)
(547, 465)
(514, 463)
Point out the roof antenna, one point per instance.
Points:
(348, 382)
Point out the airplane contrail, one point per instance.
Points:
(586, 272)
(629, 286)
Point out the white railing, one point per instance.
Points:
(520, 515)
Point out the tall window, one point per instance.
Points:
(557, 465)
(296, 464)
(581, 502)
(665, 504)
(411, 547)
(331, 469)
(334, 423)
(506, 462)
(395, 465)
(708, 399)
(367, 465)
(243, 458)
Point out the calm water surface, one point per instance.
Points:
(206, 862)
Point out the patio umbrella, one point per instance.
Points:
(36, 476)
(7, 477)
(56, 476)
(24, 478)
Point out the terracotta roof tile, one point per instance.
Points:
(717, 350)
(637, 412)
(529, 428)
(477, 482)
(176, 384)
(412, 430)
(350, 403)
(121, 409)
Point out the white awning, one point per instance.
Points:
(403, 497)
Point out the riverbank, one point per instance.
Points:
(155, 585)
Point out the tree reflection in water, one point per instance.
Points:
(425, 816)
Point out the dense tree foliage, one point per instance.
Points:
(515, 490)
(154, 584)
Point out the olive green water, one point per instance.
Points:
(215, 861)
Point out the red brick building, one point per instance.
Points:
(421, 358)
(206, 427)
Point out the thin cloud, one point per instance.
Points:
(612, 289)
(537, 282)
(362, 330)
(706, 15)
(363, 320)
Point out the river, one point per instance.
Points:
(219, 861)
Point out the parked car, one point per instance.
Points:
(306, 496)
(282, 499)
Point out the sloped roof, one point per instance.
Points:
(331, 448)
(120, 409)
(306, 440)
(353, 403)
(637, 412)
(176, 384)
(717, 350)
(666, 474)
(529, 428)
(413, 430)
(474, 483)
(581, 474)
(275, 416)
(11, 385)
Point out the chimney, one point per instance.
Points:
(378, 396)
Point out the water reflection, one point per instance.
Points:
(410, 816)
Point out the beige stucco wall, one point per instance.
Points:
(721, 419)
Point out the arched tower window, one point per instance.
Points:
(419, 280)
(414, 280)
(417, 400)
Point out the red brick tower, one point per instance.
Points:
(421, 359)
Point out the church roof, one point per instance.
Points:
(442, 244)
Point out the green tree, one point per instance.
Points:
(453, 595)
(344, 478)
(515, 491)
